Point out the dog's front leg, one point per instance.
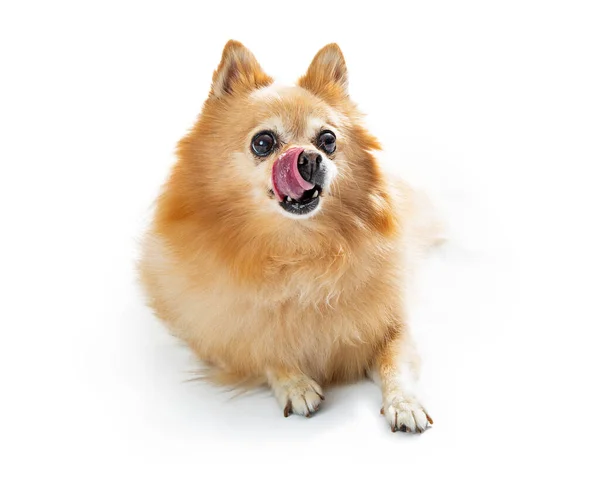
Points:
(295, 392)
(396, 371)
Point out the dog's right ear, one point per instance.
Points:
(238, 72)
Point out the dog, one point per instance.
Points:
(279, 250)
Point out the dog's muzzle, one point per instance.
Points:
(298, 179)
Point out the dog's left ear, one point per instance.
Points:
(327, 75)
(238, 72)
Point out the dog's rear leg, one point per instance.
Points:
(295, 392)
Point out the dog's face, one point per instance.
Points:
(293, 144)
(279, 154)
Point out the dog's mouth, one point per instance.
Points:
(298, 193)
(305, 204)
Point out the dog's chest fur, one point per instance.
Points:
(329, 327)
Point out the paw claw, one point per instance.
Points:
(288, 408)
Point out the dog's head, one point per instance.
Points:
(274, 155)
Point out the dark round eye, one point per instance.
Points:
(263, 143)
(326, 141)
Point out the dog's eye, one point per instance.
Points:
(263, 143)
(326, 142)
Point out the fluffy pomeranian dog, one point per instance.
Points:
(279, 251)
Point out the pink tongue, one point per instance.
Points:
(287, 180)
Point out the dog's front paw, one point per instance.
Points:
(405, 413)
(297, 394)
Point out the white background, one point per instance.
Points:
(494, 107)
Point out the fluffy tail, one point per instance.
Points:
(424, 227)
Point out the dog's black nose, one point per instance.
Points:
(309, 165)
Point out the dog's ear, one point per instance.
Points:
(238, 72)
(327, 75)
